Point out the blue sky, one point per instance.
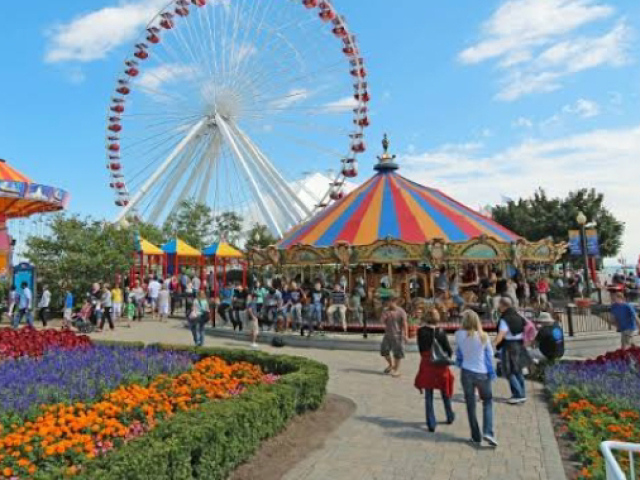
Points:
(482, 99)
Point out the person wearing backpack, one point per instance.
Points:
(434, 372)
(513, 354)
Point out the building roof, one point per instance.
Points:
(180, 248)
(20, 197)
(222, 250)
(146, 247)
(389, 205)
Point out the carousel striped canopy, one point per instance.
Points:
(390, 206)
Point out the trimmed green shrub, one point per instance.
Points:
(208, 443)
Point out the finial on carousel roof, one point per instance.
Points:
(386, 161)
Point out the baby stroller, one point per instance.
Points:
(81, 321)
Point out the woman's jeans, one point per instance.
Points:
(197, 328)
(471, 382)
(430, 412)
(516, 379)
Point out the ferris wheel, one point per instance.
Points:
(225, 102)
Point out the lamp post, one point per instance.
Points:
(582, 221)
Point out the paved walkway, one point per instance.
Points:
(386, 438)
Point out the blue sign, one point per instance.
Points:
(593, 245)
(575, 243)
(24, 272)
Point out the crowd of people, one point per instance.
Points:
(279, 307)
(287, 306)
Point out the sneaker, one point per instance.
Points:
(474, 443)
(451, 419)
(254, 346)
(516, 400)
(490, 440)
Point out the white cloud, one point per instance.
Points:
(295, 95)
(601, 159)
(583, 108)
(76, 75)
(93, 35)
(535, 43)
(155, 78)
(523, 122)
(345, 104)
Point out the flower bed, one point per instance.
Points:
(598, 400)
(34, 343)
(127, 412)
(80, 375)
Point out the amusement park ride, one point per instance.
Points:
(22, 198)
(221, 102)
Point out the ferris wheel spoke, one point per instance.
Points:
(272, 186)
(226, 132)
(164, 136)
(311, 144)
(148, 163)
(199, 161)
(158, 173)
(307, 126)
(212, 153)
(177, 173)
(274, 178)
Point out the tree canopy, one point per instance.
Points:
(192, 222)
(542, 217)
(260, 237)
(80, 251)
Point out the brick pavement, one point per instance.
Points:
(386, 438)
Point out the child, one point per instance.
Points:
(164, 299)
(68, 309)
(252, 317)
(131, 309)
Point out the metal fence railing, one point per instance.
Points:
(613, 466)
(591, 319)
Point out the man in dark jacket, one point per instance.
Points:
(514, 357)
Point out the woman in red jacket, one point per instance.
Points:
(432, 377)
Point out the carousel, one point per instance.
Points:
(20, 197)
(394, 232)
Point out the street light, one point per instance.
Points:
(582, 221)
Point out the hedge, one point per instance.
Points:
(208, 443)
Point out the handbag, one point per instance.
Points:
(438, 355)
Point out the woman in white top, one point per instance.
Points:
(164, 299)
(474, 356)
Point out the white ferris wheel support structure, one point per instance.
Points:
(212, 86)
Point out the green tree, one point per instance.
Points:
(541, 217)
(227, 226)
(259, 237)
(192, 222)
(80, 251)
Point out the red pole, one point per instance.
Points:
(164, 265)
(201, 262)
(141, 266)
(244, 274)
(224, 272)
(132, 271)
(215, 276)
